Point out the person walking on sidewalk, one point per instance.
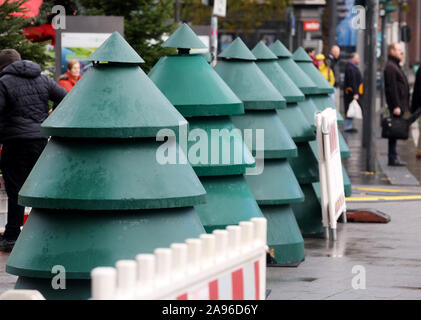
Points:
(353, 88)
(325, 70)
(332, 60)
(397, 94)
(24, 96)
(416, 105)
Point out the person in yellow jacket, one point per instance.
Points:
(324, 68)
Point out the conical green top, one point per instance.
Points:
(194, 87)
(298, 76)
(184, 38)
(237, 50)
(262, 52)
(250, 84)
(277, 76)
(113, 101)
(305, 63)
(280, 50)
(300, 55)
(116, 49)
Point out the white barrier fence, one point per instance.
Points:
(228, 264)
(330, 170)
(225, 265)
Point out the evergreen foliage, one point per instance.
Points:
(145, 22)
(12, 23)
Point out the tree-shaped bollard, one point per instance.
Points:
(276, 188)
(305, 166)
(322, 100)
(100, 192)
(216, 149)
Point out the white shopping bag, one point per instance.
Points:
(354, 110)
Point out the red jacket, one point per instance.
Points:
(67, 81)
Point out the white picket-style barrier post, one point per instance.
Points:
(330, 170)
(145, 275)
(104, 283)
(214, 266)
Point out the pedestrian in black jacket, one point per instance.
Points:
(353, 88)
(24, 96)
(332, 61)
(397, 94)
(416, 105)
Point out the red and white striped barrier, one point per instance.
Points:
(228, 264)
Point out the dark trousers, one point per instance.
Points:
(347, 101)
(17, 160)
(392, 152)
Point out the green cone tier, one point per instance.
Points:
(98, 192)
(276, 188)
(215, 148)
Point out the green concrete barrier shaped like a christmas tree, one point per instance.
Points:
(276, 188)
(98, 192)
(216, 149)
(305, 166)
(322, 100)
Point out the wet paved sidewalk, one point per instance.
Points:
(390, 254)
(7, 281)
(385, 175)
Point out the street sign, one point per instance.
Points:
(311, 25)
(220, 8)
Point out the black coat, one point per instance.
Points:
(24, 96)
(333, 64)
(416, 96)
(396, 86)
(353, 82)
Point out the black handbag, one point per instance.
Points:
(395, 127)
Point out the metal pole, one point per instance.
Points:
(333, 21)
(293, 29)
(419, 30)
(369, 128)
(400, 20)
(177, 10)
(300, 35)
(382, 55)
(214, 40)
